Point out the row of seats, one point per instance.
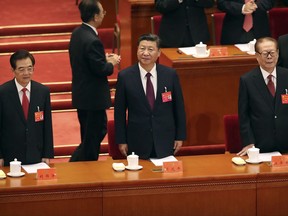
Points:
(277, 19)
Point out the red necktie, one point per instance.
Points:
(271, 85)
(248, 21)
(150, 91)
(25, 103)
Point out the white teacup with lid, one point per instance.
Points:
(15, 167)
(253, 154)
(133, 161)
(201, 49)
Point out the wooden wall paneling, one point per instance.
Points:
(274, 188)
(210, 90)
(134, 21)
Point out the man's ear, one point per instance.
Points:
(159, 53)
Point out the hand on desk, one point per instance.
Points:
(46, 160)
(177, 145)
(123, 148)
(244, 150)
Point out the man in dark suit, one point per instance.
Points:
(156, 124)
(263, 102)
(283, 51)
(26, 136)
(236, 10)
(90, 88)
(183, 22)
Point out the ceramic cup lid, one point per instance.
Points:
(15, 161)
(133, 155)
(201, 45)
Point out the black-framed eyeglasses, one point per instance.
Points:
(265, 54)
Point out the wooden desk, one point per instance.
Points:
(210, 88)
(209, 185)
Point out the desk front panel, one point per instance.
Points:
(193, 197)
(209, 185)
(76, 191)
(272, 191)
(210, 89)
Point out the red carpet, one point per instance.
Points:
(66, 129)
(49, 67)
(19, 12)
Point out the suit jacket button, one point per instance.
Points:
(275, 116)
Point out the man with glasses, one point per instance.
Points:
(263, 102)
(25, 115)
(152, 96)
(90, 88)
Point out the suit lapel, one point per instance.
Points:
(262, 88)
(33, 101)
(138, 82)
(160, 86)
(14, 97)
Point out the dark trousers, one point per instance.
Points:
(93, 128)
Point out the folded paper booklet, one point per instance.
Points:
(188, 50)
(32, 168)
(243, 47)
(159, 162)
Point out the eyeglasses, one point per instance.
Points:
(22, 70)
(265, 54)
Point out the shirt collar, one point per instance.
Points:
(143, 72)
(265, 74)
(92, 27)
(19, 87)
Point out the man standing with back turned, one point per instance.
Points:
(90, 88)
(263, 102)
